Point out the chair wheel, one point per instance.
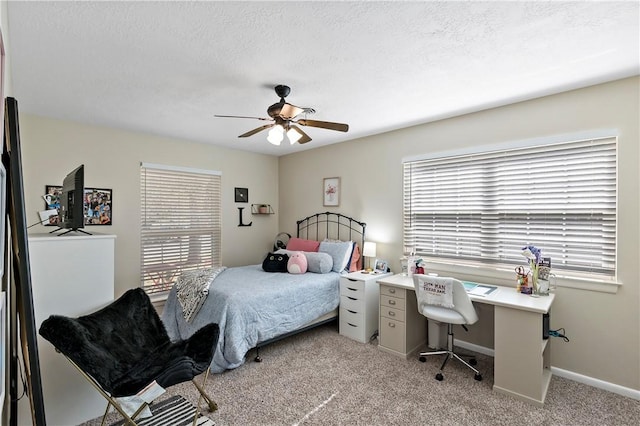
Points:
(440, 377)
(423, 359)
(473, 361)
(478, 377)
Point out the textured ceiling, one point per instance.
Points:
(167, 67)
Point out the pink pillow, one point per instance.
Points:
(298, 244)
(356, 264)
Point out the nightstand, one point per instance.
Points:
(359, 303)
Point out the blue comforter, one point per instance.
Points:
(252, 306)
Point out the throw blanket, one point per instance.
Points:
(192, 289)
(436, 291)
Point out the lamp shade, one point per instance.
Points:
(293, 135)
(276, 135)
(369, 249)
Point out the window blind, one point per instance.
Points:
(485, 207)
(180, 223)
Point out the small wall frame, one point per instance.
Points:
(331, 192)
(241, 195)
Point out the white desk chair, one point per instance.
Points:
(445, 300)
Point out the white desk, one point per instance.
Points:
(522, 357)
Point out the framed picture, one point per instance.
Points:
(51, 198)
(331, 191)
(380, 267)
(98, 206)
(242, 195)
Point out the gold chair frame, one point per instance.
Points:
(130, 420)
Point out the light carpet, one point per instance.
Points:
(322, 378)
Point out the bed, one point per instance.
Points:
(254, 308)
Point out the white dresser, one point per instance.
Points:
(359, 295)
(71, 275)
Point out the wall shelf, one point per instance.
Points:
(261, 209)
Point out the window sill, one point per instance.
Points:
(506, 277)
(158, 300)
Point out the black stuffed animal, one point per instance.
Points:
(275, 262)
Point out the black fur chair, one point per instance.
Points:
(124, 347)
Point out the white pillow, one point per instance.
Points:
(339, 251)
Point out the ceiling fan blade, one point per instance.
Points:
(305, 138)
(241, 116)
(289, 111)
(254, 131)
(324, 125)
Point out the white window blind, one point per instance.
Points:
(181, 223)
(486, 207)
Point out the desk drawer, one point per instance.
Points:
(393, 302)
(352, 288)
(391, 313)
(392, 335)
(388, 290)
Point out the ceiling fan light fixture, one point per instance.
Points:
(293, 135)
(284, 119)
(276, 134)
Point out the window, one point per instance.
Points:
(180, 223)
(485, 207)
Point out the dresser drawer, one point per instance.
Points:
(392, 335)
(351, 317)
(351, 288)
(351, 304)
(352, 331)
(392, 302)
(352, 325)
(387, 290)
(392, 313)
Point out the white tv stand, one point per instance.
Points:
(71, 275)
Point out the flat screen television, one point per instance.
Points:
(71, 213)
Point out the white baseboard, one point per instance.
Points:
(475, 348)
(596, 383)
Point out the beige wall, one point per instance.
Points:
(603, 328)
(52, 148)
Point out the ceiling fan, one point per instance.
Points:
(283, 117)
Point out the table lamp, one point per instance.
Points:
(369, 250)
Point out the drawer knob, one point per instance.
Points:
(392, 290)
(351, 298)
(392, 325)
(352, 325)
(352, 289)
(392, 302)
(392, 314)
(351, 279)
(353, 312)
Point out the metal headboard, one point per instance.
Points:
(333, 226)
